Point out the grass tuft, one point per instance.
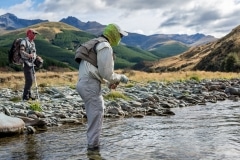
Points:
(35, 106)
(15, 80)
(15, 99)
(113, 95)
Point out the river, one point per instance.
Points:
(202, 132)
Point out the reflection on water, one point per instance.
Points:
(198, 132)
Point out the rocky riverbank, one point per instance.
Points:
(63, 105)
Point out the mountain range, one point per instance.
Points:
(158, 52)
(156, 43)
(9, 21)
(220, 55)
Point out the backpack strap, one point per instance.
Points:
(24, 55)
(27, 47)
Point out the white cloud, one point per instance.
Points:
(210, 17)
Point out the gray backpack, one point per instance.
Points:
(14, 56)
(87, 51)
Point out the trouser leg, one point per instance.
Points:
(29, 77)
(90, 91)
(95, 119)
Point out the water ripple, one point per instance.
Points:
(194, 133)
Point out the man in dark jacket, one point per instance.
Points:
(28, 55)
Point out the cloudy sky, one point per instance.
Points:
(210, 17)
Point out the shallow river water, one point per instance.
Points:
(210, 132)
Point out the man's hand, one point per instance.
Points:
(30, 56)
(124, 79)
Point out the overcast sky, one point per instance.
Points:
(210, 17)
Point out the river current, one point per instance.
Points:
(202, 132)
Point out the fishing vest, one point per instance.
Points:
(87, 51)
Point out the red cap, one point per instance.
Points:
(32, 31)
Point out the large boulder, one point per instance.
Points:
(10, 125)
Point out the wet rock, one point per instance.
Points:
(135, 104)
(164, 112)
(6, 111)
(36, 113)
(168, 112)
(30, 130)
(165, 105)
(147, 104)
(126, 107)
(138, 115)
(10, 125)
(61, 115)
(63, 105)
(116, 111)
(69, 121)
(233, 91)
(33, 121)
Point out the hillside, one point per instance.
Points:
(57, 43)
(54, 56)
(157, 44)
(221, 55)
(168, 49)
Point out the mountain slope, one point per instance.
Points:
(214, 56)
(225, 54)
(57, 43)
(52, 55)
(151, 43)
(168, 49)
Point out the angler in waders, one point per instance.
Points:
(94, 69)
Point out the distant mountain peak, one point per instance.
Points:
(9, 15)
(71, 18)
(9, 21)
(89, 26)
(73, 21)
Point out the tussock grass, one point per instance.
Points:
(114, 95)
(178, 76)
(35, 106)
(15, 80)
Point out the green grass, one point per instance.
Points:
(35, 106)
(113, 95)
(15, 99)
(167, 50)
(57, 43)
